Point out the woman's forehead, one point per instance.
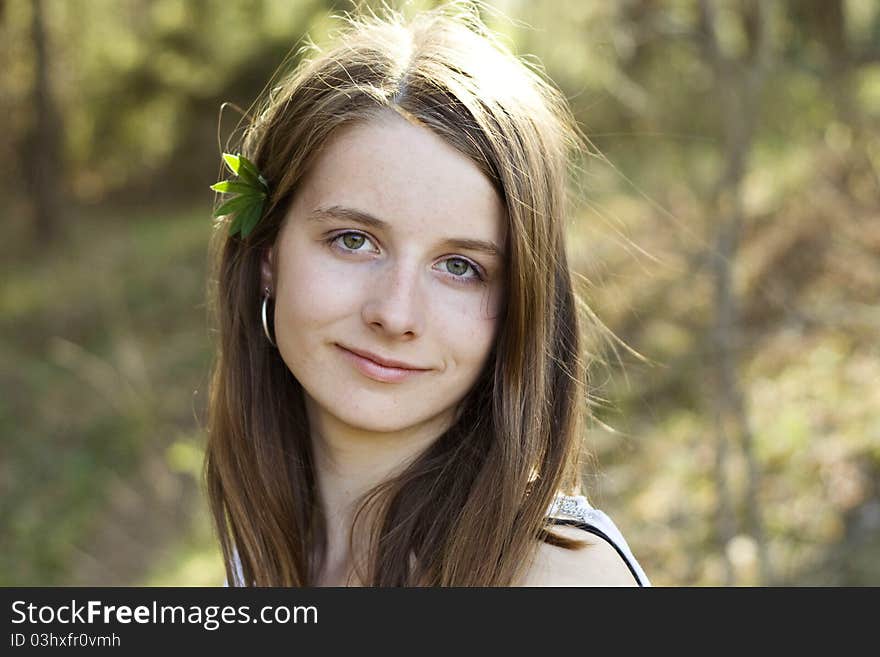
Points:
(405, 174)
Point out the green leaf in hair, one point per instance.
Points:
(230, 187)
(249, 218)
(237, 204)
(235, 224)
(251, 190)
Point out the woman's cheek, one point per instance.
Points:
(324, 286)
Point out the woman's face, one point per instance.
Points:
(403, 285)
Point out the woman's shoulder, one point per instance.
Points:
(596, 564)
(605, 560)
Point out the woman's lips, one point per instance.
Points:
(373, 370)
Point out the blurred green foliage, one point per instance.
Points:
(103, 368)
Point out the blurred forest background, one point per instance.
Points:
(729, 233)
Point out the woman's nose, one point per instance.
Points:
(394, 300)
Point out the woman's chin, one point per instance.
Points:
(378, 425)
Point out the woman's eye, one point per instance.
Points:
(458, 267)
(349, 241)
(353, 241)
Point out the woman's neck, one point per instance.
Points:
(348, 463)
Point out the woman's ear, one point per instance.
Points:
(266, 268)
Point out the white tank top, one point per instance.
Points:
(575, 510)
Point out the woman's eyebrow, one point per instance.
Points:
(366, 219)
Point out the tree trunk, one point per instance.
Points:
(42, 170)
(738, 84)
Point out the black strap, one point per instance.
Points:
(598, 532)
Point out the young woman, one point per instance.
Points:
(399, 393)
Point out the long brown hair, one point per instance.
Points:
(468, 510)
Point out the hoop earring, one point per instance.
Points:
(266, 323)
